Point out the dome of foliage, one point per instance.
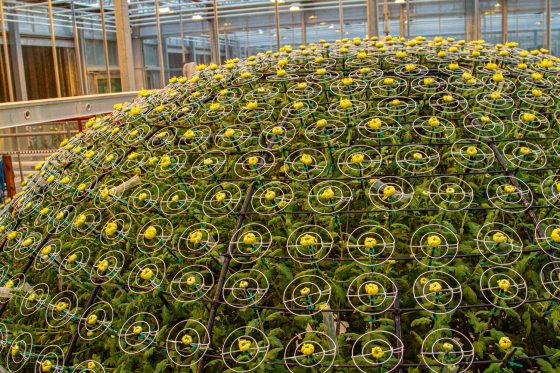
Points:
(366, 205)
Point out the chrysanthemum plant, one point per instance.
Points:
(371, 204)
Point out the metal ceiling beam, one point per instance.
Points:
(23, 113)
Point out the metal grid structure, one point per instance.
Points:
(384, 204)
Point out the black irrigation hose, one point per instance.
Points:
(404, 365)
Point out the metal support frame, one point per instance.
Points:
(402, 20)
(548, 24)
(341, 19)
(105, 48)
(504, 21)
(6, 53)
(54, 55)
(386, 29)
(160, 46)
(303, 28)
(23, 113)
(277, 18)
(478, 34)
(408, 19)
(216, 34)
(472, 20)
(372, 17)
(77, 48)
(18, 71)
(124, 46)
(182, 36)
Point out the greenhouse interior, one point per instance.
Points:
(280, 186)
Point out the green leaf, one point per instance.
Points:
(421, 321)
(546, 367)
(479, 348)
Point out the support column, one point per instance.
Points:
(105, 47)
(341, 18)
(160, 47)
(277, 18)
(372, 17)
(303, 28)
(139, 66)
(402, 19)
(6, 53)
(211, 40)
(548, 23)
(472, 20)
(217, 34)
(54, 53)
(18, 72)
(82, 86)
(504, 21)
(124, 46)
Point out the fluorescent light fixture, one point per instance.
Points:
(277, 1)
(261, 31)
(312, 17)
(400, 1)
(294, 8)
(164, 10)
(323, 23)
(197, 17)
(331, 26)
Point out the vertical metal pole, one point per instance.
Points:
(18, 149)
(211, 40)
(408, 19)
(77, 51)
(303, 29)
(476, 18)
(105, 49)
(372, 17)
(401, 21)
(124, 45)
(84, 61)
(54, 55)
(6, 53)
(504, 21)
(341, 19)
(277, 16)
(217, 34)
(548, 25)
(182, 35)
(160, 47)
(386, 29)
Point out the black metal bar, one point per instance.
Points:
(76, 335)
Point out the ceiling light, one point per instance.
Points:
(323, 23)
(497, 5)
(197, 17)
(331, 26)
(294, 8)
(277, 1)
(312, 17)
(261, 31)
(400, 2)
(164, 10)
